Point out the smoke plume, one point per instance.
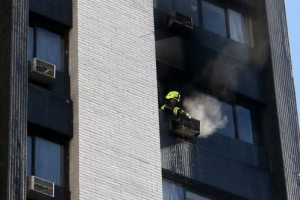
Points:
(208, 111)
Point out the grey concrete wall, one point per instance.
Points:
(115, 151)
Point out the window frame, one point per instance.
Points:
(64, 156)
(245, 13)
(185, 189)
(243, 8)
(35, 23)
(235, 100)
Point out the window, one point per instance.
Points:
(244, 124)
(173, 191)
(217, 18)
(186, 7)
(189, 8)
(225, 118)
(166, 5)
(45, 159)
(214, 18)
(240, 27)
(45, 45)
(193, 196)
(227, 128)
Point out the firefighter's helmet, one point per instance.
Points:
(173, 95)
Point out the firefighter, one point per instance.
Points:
(170, 105)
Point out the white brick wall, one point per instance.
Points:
(115, 152)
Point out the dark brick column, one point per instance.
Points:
(281, 105)
(13, 98)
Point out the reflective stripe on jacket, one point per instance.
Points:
(170, 108)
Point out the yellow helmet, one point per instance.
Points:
(173, 95)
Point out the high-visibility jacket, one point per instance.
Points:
(172, 109)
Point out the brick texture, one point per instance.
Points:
(115, 152)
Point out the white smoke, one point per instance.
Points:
(208, 111)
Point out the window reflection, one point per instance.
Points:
(49, 161)
(214, 18)
(228, 128)
(172, 191)
(218, 19)
(193, 196)
(186, 7)
(240, 27)
(217, 116)
(49, 47)
(244, 124)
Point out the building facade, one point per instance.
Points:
(96, 131)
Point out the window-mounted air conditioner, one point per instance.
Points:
(180, 21)
(41, 71)
(187, 129)
(39, 189)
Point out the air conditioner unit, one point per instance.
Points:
(187, 129)
(39, 189)
(41, 71)
(180, 21)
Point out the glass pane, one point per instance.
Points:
(239, 27)
(49, 47)
(29, 156)
(214, 18)
(30, 44)
(244, 124)
(189, 8)
(165, 5)
(172, 191)
(228, 128)
(192, 196)
(49, 161)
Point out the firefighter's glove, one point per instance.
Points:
(185, 114)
